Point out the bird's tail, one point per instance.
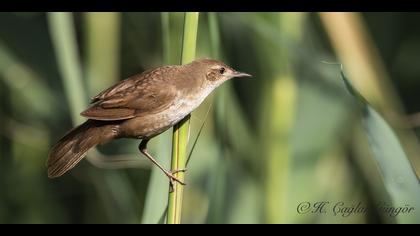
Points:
(71, 149)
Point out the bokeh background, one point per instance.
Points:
(291, 134)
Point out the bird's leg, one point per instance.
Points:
(143, 149)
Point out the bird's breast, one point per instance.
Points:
(153, 124)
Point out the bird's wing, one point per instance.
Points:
(136, 96)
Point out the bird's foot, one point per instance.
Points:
(172, 178)
(179, 170)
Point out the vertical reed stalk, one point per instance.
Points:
(166, 37)
(103, 56)
(64, 42)
(181, 130)
(278, 113)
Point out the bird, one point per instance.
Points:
(140, 107)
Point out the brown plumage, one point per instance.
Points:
(140, 107)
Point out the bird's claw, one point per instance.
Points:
(172, 178)
(179, 170)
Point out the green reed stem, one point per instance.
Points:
(64, 41)
(181, 130)
(166, 37)
(103, 56)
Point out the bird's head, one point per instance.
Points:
(217, 72)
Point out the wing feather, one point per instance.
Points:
(138, 95)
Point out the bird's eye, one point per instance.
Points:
(222, 70)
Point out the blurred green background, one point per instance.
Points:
(289, 135)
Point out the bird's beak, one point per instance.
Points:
(240, 74)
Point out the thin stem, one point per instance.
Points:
(181, 130)
(64, 42)
(103, 56)
(214, 35)
(198, 135)
(280, 91)
(166, 37)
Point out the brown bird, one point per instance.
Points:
(140, 107)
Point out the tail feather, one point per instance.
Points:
(72, 148)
